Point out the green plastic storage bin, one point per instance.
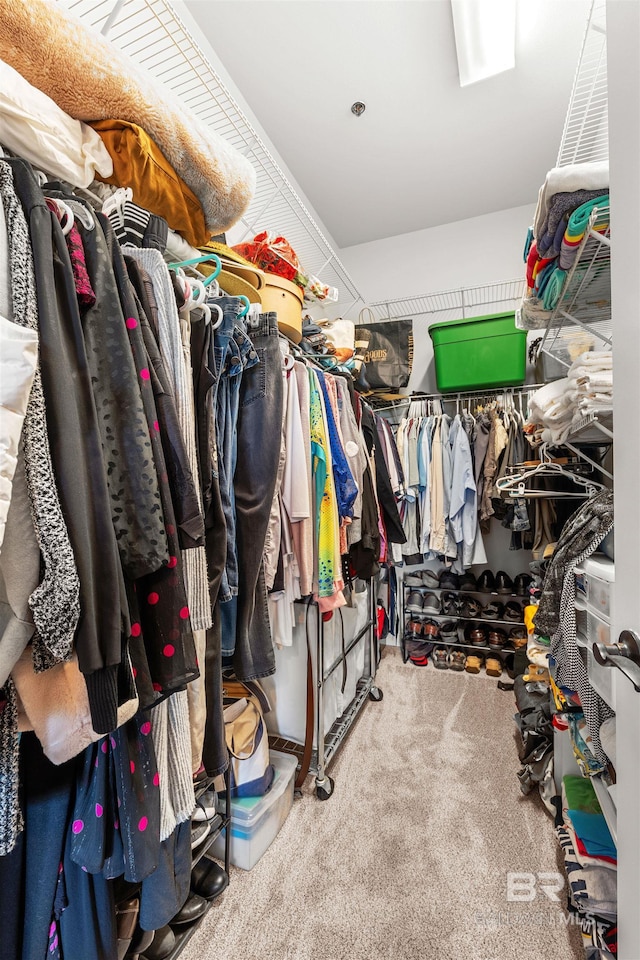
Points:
(479, 353)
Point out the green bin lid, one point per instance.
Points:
(466, 320)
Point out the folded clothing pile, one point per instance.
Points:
(591, 379)
(551, 412)
(555, 409)
(566, 202)
(589, 849)
(142, 136)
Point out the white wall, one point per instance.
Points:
(463, 254)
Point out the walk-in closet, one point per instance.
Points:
(318, 634)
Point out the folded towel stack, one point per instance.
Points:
(555, 409)
(565, 203)
(591, 376)
(551, 412)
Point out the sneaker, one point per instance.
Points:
(431, 603)
(430, 579)
(504, 583)
(449, 631)
(413, 580)
(199, 833)
(414, 601)
(440, 659)
(414, 628)
(205, 807)
(457, 660)
(486, 583)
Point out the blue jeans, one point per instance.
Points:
(259, 431)
(228, 368)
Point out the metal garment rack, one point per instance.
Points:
(328, 745)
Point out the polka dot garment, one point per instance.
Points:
(116, 819)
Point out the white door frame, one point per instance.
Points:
(623, 68)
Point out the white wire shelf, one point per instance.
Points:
(456, 304)
(586, 131)
(152, 33)
(585, 300)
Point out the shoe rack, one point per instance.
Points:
(462, 622)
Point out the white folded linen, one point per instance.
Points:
(568, 179)
(35, 128)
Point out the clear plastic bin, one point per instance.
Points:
(594, 583)
(602, 679)
(256, 821)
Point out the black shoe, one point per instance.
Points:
(504, 583)
(486, 583)
(209, 879)
(192, 909)
(164, 941)
(449, 580)
(140, 942)
(521, 584)
(468, 581)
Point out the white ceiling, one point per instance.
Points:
(426, 151)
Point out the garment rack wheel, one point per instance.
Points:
(376, 694)
(324, 788)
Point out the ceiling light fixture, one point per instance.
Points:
(358, 108)
(485, 38)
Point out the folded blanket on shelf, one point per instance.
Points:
(577, 227)
(91, 79)
(568, 179)
(544, 398)
(561, 206)
(553, 288)
(598, 359)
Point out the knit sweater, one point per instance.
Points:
(55, 602)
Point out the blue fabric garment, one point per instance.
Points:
(463, 498)
(592, 829)
(346, 488)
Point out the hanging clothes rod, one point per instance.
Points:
(456, 397)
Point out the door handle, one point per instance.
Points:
(625, 655)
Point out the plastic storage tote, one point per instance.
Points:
(479, 353)
(255, 821)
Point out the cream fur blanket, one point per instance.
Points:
(90, 79)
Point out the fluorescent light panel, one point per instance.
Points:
(485, 38)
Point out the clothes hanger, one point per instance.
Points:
(65, 214)
(82, 213)
(247, 307)
(514, 485)
(117, 201)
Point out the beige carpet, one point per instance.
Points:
(409, 858)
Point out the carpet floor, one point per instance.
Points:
(409, 858)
